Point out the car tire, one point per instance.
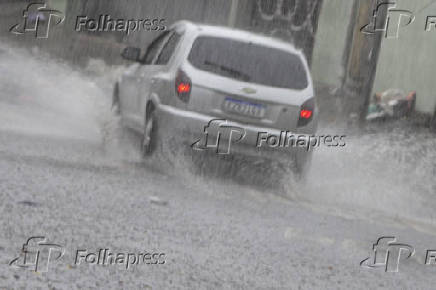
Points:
(150, 135)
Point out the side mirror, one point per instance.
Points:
(131, 53)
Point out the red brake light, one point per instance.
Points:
(306, 114)
(183, 86)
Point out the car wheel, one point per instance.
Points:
(150, 135)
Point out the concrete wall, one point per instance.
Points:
(409, 62)
(60, 5)
(295, 22)
(330, 42)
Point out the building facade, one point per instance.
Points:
(406, 60)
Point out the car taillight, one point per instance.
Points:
(306, 112)
(183, 86)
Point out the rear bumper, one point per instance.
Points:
(201, 132)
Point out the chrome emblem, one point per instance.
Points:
(249, 90)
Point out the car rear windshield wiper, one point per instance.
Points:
(230, 71)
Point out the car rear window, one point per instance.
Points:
(248, 62)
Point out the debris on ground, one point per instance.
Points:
(391, 104)
(156, 200)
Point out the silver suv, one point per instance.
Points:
(193, 76)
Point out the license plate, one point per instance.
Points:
(244, 108)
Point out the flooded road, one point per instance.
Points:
(59, 180)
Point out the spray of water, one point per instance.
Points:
(388, 171)
(391, 171)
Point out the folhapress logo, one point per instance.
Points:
(38, 19)
(218, 135)
(387, 254)
(395, 19)
(37, 254)
(390, 26)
